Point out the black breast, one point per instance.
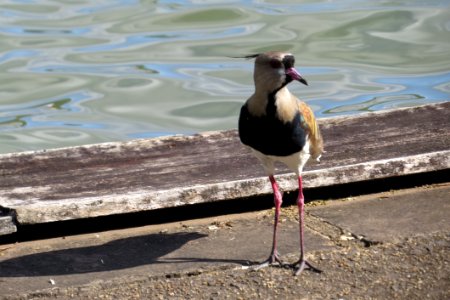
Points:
(268, 134)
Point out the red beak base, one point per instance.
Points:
(295, 75)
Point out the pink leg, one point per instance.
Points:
(278, 199)
(301, 214)
(302, 263)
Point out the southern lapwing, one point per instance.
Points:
(279, 127)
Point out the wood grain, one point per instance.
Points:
(115, 178)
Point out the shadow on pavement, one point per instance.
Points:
(114, 255)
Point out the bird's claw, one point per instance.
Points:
(273, 259)
(302, 265)
(298, 267)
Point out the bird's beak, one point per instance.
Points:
(296, 75)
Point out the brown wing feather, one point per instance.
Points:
(311, 125)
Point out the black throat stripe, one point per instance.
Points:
(268, 134)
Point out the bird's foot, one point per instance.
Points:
(273, 259)
(303, 264)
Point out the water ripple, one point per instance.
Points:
(82, 71)
(22, 31)
(130, 42)
(38, 113)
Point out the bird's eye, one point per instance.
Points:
(276, 64)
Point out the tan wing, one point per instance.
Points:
(310, 124)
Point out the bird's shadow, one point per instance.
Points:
(118, 254)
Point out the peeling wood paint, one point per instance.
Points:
(141, 200)
(7, 225)
(114, 178)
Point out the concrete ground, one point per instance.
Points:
(390, 245)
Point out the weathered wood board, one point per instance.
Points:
(146, 174)
(7, 225)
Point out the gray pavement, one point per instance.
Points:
(381, 246)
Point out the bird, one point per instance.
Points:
(278, 127)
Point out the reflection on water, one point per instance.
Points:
(90, 71)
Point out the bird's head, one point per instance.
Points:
(274, 70)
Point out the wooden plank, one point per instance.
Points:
(145, 174)
(7, 225)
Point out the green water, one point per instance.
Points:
(82, 72)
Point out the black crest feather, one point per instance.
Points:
(247, 56)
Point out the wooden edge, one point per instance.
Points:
(116, 146)
(7, 225)
(338, 119)
(143, 200)
(107, 147)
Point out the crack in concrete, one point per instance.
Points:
(335, 233)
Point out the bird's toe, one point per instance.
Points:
(304, 265)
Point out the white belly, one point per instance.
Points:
(294, 162)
